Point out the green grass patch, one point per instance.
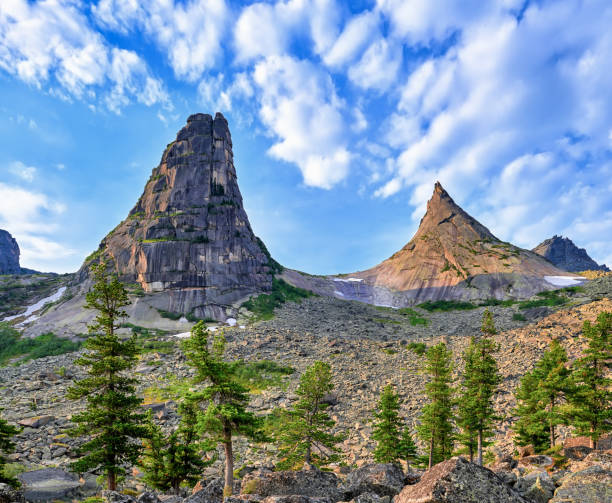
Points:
(518, 317)
(260, 375)
(446, 305)
(418, 348)
(263, 305)
(549, 298)
(14, 345)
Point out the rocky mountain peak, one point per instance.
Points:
(563, 253)
(188, 236)
(452, 255)
(9, 254)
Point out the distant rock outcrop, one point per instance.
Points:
(9, 254)
(563, 253)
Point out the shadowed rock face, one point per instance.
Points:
(9, 254)
(563, 253)
(188, 236)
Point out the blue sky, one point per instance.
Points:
(343, 115)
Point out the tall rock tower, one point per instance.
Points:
(188, 239)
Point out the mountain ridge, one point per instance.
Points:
(562, 252)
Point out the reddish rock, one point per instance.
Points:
(459, 481)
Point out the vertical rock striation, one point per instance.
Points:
(188, 238)
(9, 254)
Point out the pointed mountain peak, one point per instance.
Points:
(563, 253)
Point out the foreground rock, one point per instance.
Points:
(310, 483)
(380, 479)
(593, 485)
(10, 495)
(49, 484)
(459, 481)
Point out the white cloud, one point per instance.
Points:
(358, 31)
(50, 43)
(24, 172)
(378, 66)
(220, 95)
(29, 216)
(191, 33)
(298, 103)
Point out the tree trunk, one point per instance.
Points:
(592, 439)
(229, 462)
(471, 449)
(431, 449)
(112, 481)
(552, 435)
(480, 447)
(176, 486)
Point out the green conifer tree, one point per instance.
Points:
(436, 428)
(224, 398)
(387, 427)
(529, 428)
(553, 386)
(304, 434)
(592, 398)
(112, 417)
(467, 403)
(177, 458)
(407, 450)
(7, 431)
(481, 378)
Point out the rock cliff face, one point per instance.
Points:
(451, 256)
(563, 253)
(9, 254)
(188, 237)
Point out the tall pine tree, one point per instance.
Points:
(387, 427)
(224, 399)
(180, 457)
(7, 431)
(480, 381)
(553, 387)
(529, 428)
(112, 417)
(592, 398)
(304, 435)
(436, 428)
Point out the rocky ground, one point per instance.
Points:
(366, 346)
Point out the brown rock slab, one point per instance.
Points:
(459, 481)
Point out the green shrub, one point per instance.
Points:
(549, 298)
(13, 345)
(447, 305)
(418, 348)
(169, 314)
(518, 317)
(263, 305)
(260, 375)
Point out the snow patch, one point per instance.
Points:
(231, 322)
(349, 280)
(336, 292)
(564, 280)
(35, 307)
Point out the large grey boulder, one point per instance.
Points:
(536, 486)
(211, 492)
(49, 484)
(310, 483)
(382, 479)
(459, 481)
(593, 485)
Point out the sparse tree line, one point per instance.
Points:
(458, 417)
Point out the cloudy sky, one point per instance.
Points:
(343, 115)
